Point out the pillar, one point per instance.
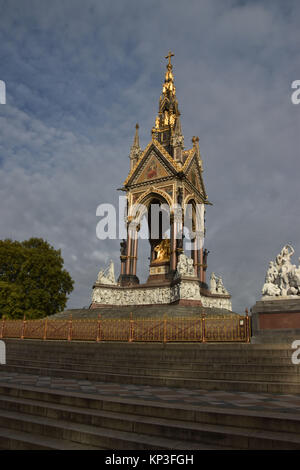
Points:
(128, 256)
(135, 249)
(173, 260)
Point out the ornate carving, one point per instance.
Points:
(216, 303)
(185, 289)
(185, 266)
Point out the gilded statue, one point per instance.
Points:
(163, 250)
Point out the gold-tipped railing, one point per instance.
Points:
(205, 328)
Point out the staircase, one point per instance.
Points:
(236, 367)
(34, 417)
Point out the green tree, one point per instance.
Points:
(32, 279)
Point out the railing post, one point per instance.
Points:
(247, 326)
(131, 329)
(165, 329)
(99, 329)
(70, 328)
(203, 327)
(23, 327)
(2, 328)
(45, 328)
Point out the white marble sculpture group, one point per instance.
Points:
(216, 285)
(185, 266)
(283, 277)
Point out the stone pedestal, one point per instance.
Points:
(276, 320)
(184, 291)
(159, 271)
(128, 279)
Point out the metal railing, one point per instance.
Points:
(204, 328)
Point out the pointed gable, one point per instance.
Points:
(154, 163)
(193, 173)
(153, 170)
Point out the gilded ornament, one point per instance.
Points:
(163, 250)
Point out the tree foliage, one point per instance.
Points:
(32, 279)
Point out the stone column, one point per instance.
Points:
(135, 250)
(176, 237)
(198, 254)
(194, 256)
(200, 264)
(129, 261)
(123, 264)
(128, 256)
(173, 260)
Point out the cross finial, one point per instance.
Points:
(169, 57)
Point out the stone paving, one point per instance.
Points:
(282, 403)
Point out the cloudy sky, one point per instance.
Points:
(79, 75)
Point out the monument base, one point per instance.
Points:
(182, 291)
(276, 319)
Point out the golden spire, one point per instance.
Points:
(168, 112)
(168, 106)
(168, 85)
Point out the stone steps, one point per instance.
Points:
(172, 370)
(169, 352)
(87, 435)
(237, 367)
(76, 419)
(142, 352)
(221, 362)
(91, 364)
(11, 439)
(163, 380)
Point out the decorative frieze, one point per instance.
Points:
(184, 289)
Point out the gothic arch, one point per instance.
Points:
(154, 193)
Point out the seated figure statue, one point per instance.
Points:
(162, 250)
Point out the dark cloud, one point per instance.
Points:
(80, 75)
